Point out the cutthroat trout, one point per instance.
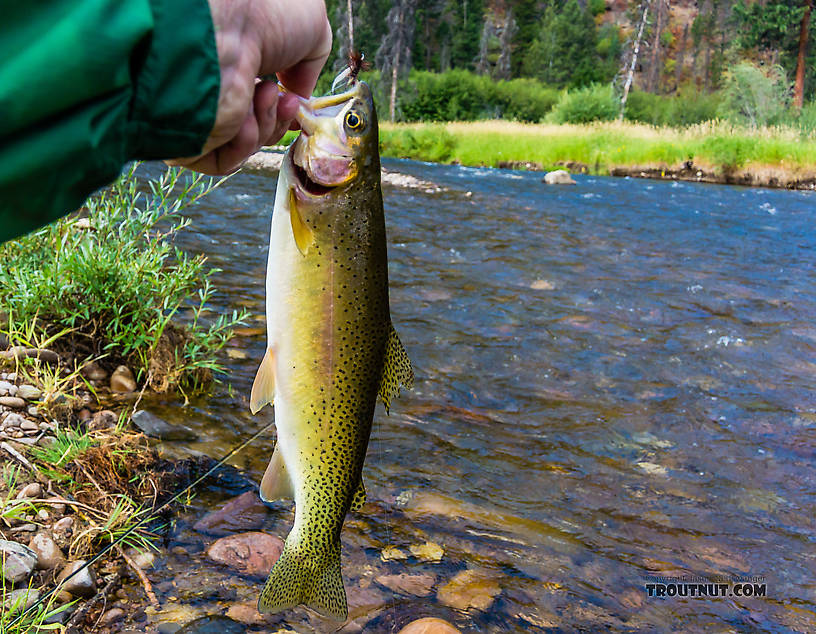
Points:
(331, 346)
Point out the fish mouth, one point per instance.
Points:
(306, 184)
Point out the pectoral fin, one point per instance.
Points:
(263, 388)
(359, 497)
(396, 369)
(304, 236)
(276, 483)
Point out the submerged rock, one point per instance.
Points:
(252, 553)
(246, 612)
(418, 585)
(18, 561)
(154, 426)
(558, 177)
(469, 589)
(213, 625)
(429, 626)
(245, 512)
(429, 551)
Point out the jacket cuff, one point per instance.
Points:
(176, 84)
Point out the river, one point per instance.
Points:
(615, 382)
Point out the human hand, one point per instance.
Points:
(256, 38)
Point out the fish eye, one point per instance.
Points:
(354, 120)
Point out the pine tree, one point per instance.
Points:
(564, 54)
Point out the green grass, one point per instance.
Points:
(112, 283)
(602, 146)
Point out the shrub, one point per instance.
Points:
(432, 143)
(729, 152)
(593, 103)
(115, 280)
(754, 96)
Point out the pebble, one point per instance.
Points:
(112, 616)
(251, 553)
(469, 589)
(29, 392)
(12, 420)
(154, 426)
(245, 512)
(47, 441)
(122, 380)
(417, 585)
(29, 425)
(5, 386)
(33, 490)
(83, 583)
(144, 559)
(93, 372)
(104, 419)
(19, 561)
(63, 530)
(12, 401)
(23, 598)
(429, 625)
(11, 377)
(49, 555)
(33, 411)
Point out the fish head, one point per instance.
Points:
(338, 142)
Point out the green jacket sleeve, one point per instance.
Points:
(86, 85)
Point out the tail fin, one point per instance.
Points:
(315, 582)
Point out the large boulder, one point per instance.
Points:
(558, 177)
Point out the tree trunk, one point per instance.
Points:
(681, 52)
(653, 82)
(635, 51)
(799, 87)
(394, 73)
(350, 27)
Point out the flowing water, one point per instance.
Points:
(615, 381)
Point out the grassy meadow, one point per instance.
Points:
(602, 146)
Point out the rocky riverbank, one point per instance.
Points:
(76, 474)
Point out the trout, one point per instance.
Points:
(331, 346)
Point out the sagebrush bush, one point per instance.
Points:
(755, 96)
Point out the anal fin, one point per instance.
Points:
(397, 369)
(263, 388)
(276, 483)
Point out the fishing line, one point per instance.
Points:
(142, 522)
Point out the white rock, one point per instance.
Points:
(558, 177)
